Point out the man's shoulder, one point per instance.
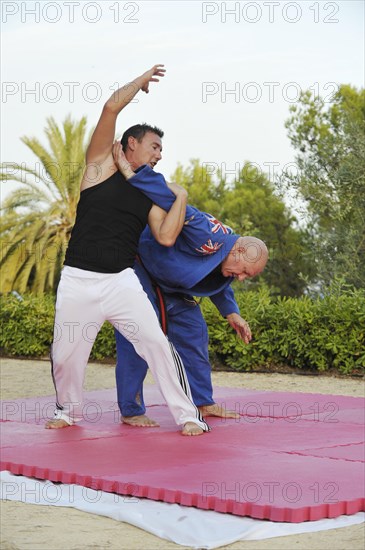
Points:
(98, 170)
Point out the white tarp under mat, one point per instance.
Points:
(180, 524)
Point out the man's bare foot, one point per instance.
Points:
(190, 428)
(141, 421)
(217, 410)
(56, 424)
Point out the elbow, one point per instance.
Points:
(111, 107)
(164, 240)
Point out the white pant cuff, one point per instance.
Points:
(60, 415)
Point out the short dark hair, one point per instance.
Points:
(138, 131)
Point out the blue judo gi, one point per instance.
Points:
(189, 268)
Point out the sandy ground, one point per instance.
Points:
(31, 527)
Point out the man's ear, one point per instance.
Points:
(132, 143)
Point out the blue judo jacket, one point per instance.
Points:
(191, 265)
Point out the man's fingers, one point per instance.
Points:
(116, 148)
(151, 75)
(243, 336)
(158, 68)
(244, 333)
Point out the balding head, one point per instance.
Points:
(247, 258)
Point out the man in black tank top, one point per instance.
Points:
(98, 282)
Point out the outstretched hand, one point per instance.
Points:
(150, 76)
(240, 326)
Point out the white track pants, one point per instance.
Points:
(84, 301)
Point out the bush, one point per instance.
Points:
(27, 328)
(319, 334)
(26, 325)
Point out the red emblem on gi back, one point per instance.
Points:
(209, 247)
(218, 226)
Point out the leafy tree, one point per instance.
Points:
(330, 144)
(37, 217)
(253, 207)
(201, 186)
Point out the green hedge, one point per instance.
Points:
(27, 328)
(313, 334)
(306, 333)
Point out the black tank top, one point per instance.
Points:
(110, 218)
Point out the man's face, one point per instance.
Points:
(148, 151)
(239, 266)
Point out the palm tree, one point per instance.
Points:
(37, 217)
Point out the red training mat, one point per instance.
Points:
(289, 457)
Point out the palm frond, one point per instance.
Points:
(37, 218)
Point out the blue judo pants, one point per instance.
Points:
(187, 330)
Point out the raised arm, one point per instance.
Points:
(99, 151)
(103, 137)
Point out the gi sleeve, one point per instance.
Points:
(202, 233)
(225, 302)
(153, 184)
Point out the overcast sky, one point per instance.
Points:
(233, 70)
